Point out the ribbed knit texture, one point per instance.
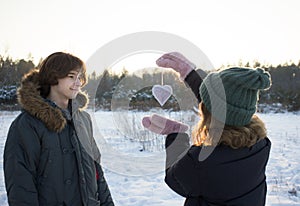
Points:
(231, 95)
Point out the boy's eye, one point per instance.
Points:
(80, 77)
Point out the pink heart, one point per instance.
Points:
(162, 93)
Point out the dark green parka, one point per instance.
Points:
(50, 157)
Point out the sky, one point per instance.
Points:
(226, 31)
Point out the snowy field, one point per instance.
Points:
(134, 158)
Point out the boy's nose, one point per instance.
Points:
(77, 81)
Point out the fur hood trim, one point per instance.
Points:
(31, 101)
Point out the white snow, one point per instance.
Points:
(133, 158)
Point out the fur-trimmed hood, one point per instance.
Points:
(31, 101)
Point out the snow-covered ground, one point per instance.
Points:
(134, 158)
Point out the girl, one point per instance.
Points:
(226, 163)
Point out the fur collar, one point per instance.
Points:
(31, 101)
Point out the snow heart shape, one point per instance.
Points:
(162, 93)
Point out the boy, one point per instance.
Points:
(50, 155)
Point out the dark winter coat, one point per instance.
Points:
(234, 177)
(50, 157)
(227, 177)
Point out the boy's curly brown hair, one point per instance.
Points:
(56, 66)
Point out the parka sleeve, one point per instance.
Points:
(194, 80)
(104, 194)
(21, 156)
(181, 174)
(103, 190)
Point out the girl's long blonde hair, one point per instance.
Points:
(210, 131)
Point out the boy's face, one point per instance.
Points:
(69, 86)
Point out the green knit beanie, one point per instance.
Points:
(231, 95)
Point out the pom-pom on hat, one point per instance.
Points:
(231, 95)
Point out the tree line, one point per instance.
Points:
(110, 90)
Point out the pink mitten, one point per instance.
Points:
(176, 61)
(162, 125)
